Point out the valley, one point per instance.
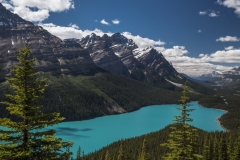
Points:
(98, 77)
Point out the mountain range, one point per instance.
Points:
(227, 77)
(92, 76)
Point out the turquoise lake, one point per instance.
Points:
(93, 134)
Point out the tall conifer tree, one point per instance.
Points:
(25, 138)
(120, 152)
(182, 138)
(143, 155)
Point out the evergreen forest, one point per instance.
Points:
(31, 100)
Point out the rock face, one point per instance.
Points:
(118, 54)
(113, 53)
(53, 54)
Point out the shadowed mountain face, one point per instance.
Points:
(113, 53)
(53, 55)
(120, 55)
(80, 96)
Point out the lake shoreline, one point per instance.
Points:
(218, 119)
(219, 122)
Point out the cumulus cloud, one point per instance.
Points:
(72, 31)
(213, 14)
(143, 42)
(229, 48)
(104, 22)
(37, 10)
(223, 56)
(228, 39)
(73, 26)
(176, 51)
(193, 66)
(115, 21)
(235, 4)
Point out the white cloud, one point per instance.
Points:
(104, 22)
(176, 51)
(199, 31)
(213, 14)
(210, 13)
(202, 12)
(143, 42)
(223, 56)
(73, 26)
(229, 48)
(235, 4)
(228, 39)
(37, 10)
(115, 21)
(203, 64)
(72, 31)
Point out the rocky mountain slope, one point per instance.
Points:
(120, 55)
(79, 85)
(52, 53)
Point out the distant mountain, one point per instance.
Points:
(226, 77)
(233, 71)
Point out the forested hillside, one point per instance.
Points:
(212, 145)
(84, 97)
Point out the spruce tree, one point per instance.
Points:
(120, 152)
(236, 149)
(143, 155)
(79, 153)
(182, 140)
(107, 156)
(27, 137)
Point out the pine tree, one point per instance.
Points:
(120, 152)
(143, 155)
(207, 148)
(236, 150)
(182, 138)
(107, 156)
(78, 153)
(223, 155)
(25, 138)
(215, 149)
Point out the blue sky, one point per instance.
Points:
(196, 36)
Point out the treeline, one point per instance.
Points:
(85, 97)
(212, 146)
(230, 103)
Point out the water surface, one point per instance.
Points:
(93, 134)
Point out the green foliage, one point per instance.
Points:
(120, 153)
(143, 155)
(183, 138)
(230, 103)
(25, 139)
(85, 97)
